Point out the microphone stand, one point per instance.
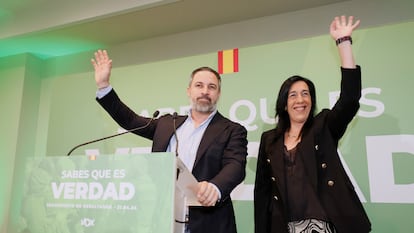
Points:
(115, 135)
(175, 115)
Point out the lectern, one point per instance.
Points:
(112, 193)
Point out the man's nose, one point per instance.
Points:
(205, 90)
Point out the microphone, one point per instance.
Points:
(154, 115)
(175, 115)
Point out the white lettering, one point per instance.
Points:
(93, 191)
(264, 114)
(126, 191)
(184, 110)
(81, 190)
(122, 150)
(87, 222)
(380, 151)
(101, 174)
(379, 107)
(250, 119)
(243, 191)
(166, 110)
(57, 191)
(69, 190)
(119, 173)
(110, 192)
(76, 174)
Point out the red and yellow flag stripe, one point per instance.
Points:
(228, 61)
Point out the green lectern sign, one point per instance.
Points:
(113, 193)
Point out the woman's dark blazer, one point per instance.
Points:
(318, 149)
(220, 159)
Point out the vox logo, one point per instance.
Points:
(87, 222)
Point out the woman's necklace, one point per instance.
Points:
(292, 136)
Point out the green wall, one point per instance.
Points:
(50, 108)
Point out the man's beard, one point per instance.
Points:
(203, 107)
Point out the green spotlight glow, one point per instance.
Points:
(45, 47)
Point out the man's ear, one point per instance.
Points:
(188, 91)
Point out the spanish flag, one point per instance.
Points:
(228, 61)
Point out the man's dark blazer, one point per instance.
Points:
(220, 159)
(318, 151)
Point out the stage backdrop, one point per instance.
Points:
(377, 149)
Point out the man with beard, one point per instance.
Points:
(212, 147)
